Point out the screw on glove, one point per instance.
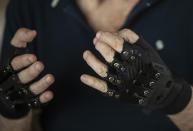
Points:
(16, 99)
(135, 73)
(139, 76)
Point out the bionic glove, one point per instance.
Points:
(139, 76)
(16, 99)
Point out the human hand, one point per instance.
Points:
(134, 72)
(17, 87)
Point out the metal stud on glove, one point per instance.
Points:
(15, 98)
(139, 76)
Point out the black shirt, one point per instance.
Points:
(63, 35)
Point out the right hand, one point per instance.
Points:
(29, 69)
(34, 67)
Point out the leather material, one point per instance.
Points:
(139, 76)
(15, 98)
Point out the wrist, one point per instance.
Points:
(180, 101)
(22, 124)
(182, 119)
(171, 95)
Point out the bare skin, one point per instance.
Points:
(21, 38)
(107, 43)
(106, 15)
(99, 14)
(184, 119)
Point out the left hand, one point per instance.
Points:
(107, 44)
(134, 72)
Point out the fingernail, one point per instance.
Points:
(47, 96)
(34, 31)
(83, 78)
(85, 55)
(94, 41)
(98, 35)
(48, 80)
(38, 67)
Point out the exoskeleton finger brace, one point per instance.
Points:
(16, 99)
(139, 76)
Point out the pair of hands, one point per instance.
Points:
(105, 42)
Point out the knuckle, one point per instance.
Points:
(35, 69)
(104, 86)
(32, 56)
(44, 99)
(92, 82)
(52, 78)
(35, 89)
(128, 31)
(32, 73)
(98, 45)
(24, 58)
(105, 51)
(109, 55)
(97, 83)
(22, 30)
(20, 58)
(14, 65)
(102, 71)
(118, 40)
(104, 35)
(86, 54)
(16, 62)
(116, 45)
(43, 84)
(40, 64)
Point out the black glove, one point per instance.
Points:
(139, 76)
(15, 98)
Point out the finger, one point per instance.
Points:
(22, 37)
(105, 50)
(31, 72)
(42, 84)
(128, 36)
(94, 82)
(114, 41)
(23, 61)
(46, 97)
(95, 64)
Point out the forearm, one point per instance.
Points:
(183, 120)
(29, 123)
